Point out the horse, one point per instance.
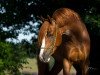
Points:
(63, 36)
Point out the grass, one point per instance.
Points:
(31, 67)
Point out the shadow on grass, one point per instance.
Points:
(35, 73)
(29, 73)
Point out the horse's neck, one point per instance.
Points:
(74, 34)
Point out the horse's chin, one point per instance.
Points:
(45, 60)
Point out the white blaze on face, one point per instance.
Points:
(42, 48)
(42, 51)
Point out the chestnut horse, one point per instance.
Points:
(64, 37)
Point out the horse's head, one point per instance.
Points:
(49, 38)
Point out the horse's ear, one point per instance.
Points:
(53, 22)
(41, 18)
(49, 19)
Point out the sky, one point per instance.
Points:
(21, 35)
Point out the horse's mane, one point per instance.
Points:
(65, 16)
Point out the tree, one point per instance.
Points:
(11, 58)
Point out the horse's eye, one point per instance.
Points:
(50, 36)
(48, 33)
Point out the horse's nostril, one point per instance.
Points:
(46, 57)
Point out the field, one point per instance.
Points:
(31, 68)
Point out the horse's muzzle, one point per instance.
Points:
(45, 57)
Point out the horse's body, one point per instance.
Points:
(65, 38)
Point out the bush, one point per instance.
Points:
(11, 58)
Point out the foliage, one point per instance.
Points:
(30, 49)
(92, 20)
(93, 23)
(11, 58)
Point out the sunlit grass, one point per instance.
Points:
(31, 66)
